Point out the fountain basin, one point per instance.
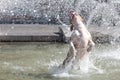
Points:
(53, 33)
(30, 32)
(33, 60)
(99, 34)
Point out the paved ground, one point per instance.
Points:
(30, 32)
(53, 33)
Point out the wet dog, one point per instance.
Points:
(80, 41)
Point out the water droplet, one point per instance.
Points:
(35, 11)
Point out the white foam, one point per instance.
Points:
(112, 54)
(66, 75)
(96, 69)
(85, 66)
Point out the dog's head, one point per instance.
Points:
(73, 16)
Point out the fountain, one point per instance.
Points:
(33, 60)
(94, 12)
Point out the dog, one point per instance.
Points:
(81, 42)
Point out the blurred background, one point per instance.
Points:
(94, 12)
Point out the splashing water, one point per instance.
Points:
(45, 11)
(85, 66)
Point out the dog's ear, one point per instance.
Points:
(71, 27)
(71, 15)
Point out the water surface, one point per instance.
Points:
(32, 61)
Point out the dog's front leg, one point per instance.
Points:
(90, 45)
